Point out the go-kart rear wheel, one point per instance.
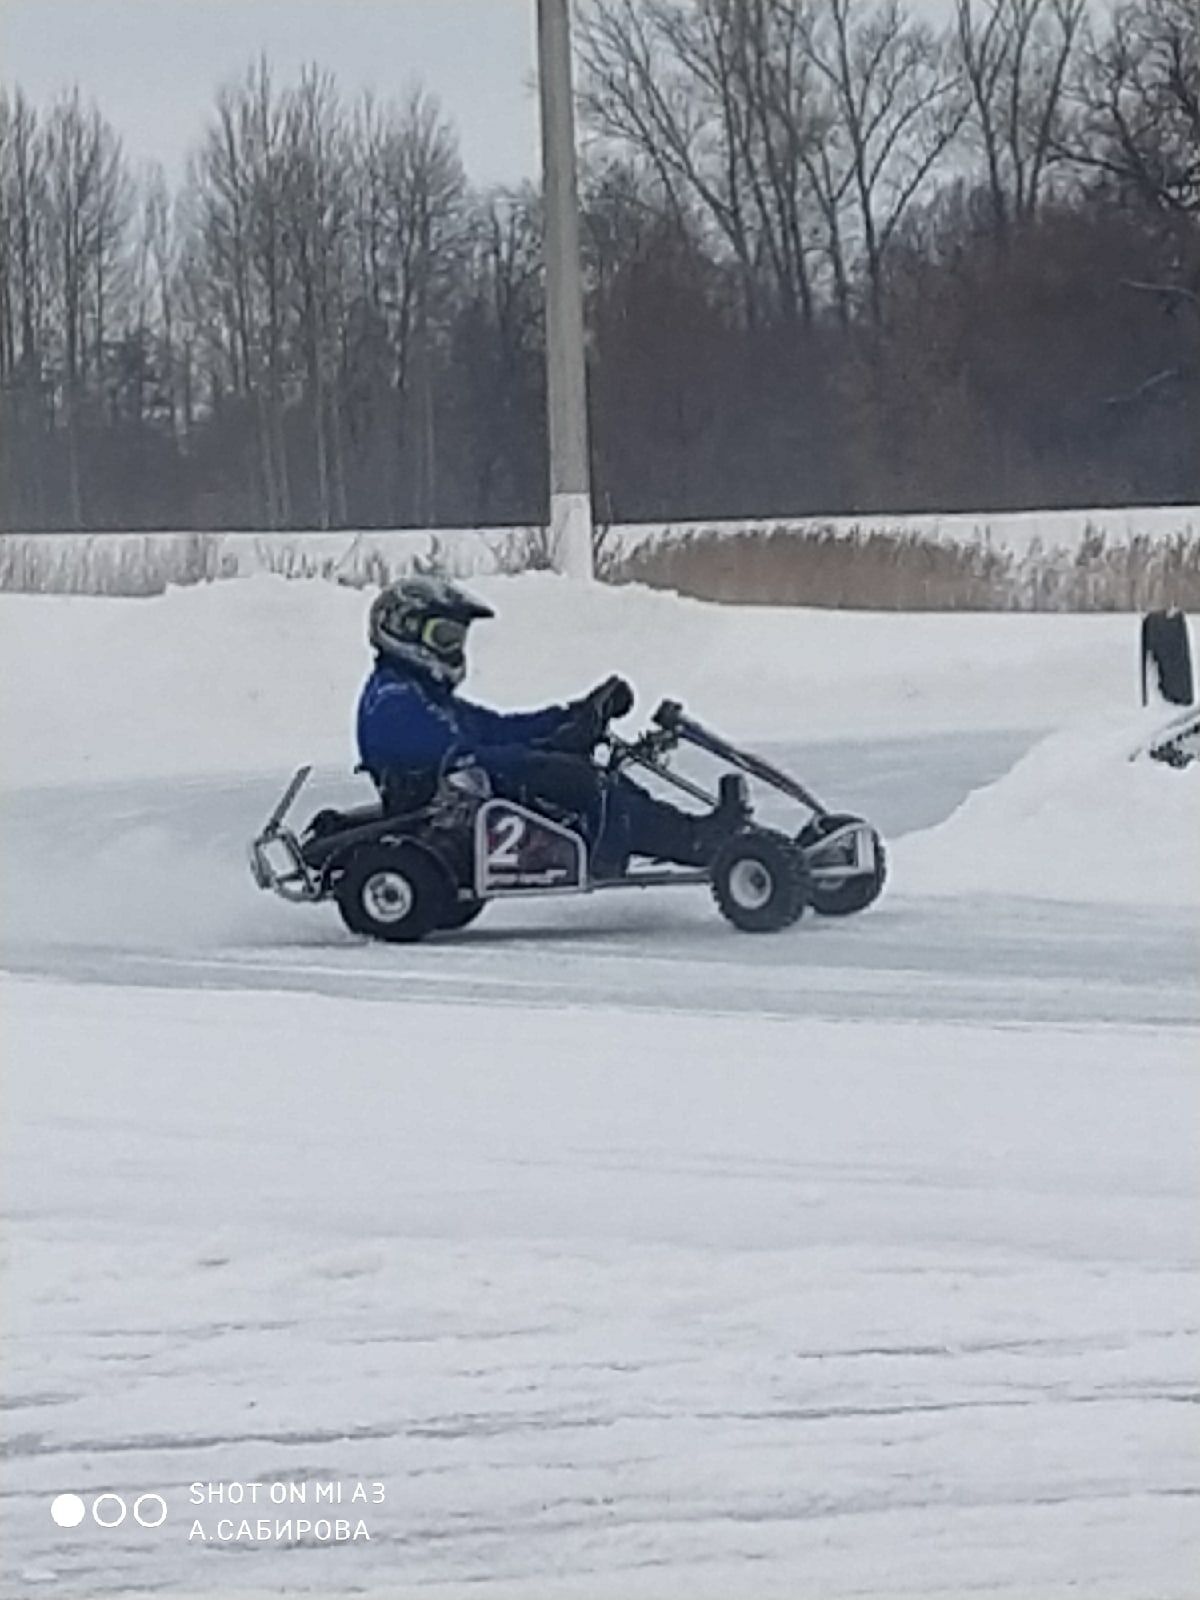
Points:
(394, 892)
(462, 913)
(759, 881)
(852, 894)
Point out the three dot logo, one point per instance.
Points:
(68, 1510)
(109, 1510)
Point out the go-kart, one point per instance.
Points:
(398, 873)
(1176, 744)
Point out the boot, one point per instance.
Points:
(732, 813)
(662, 833)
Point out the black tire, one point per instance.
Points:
(759, 881)
(462, 913)
(396, 893)
(855, 894)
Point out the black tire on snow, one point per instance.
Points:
(462, 913)
(759, 881)
(396, 893)
(856, 894)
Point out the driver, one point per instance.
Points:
(412, 722)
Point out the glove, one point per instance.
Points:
(612, 699)
(586, 719)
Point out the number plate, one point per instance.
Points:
(515, 849)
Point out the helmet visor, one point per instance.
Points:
(445, 636)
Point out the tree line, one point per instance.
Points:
(837, 260)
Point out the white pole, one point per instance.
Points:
(566, 363)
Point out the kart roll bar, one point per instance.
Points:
(671, 717)
(650, 751)
(286, 801)
(276, 859)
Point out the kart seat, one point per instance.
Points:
(329, 822)
(332, 832)
(404, 791)
(360, 816)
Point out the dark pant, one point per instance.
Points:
(619, 819)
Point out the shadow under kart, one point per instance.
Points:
(400, 875)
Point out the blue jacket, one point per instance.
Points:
(409, 723)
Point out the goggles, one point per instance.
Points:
(445, 636)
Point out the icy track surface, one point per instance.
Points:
(145, 883)
(632, 1257)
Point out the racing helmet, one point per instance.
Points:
(423, 622)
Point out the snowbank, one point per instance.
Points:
(257, 675)
(1074, 820)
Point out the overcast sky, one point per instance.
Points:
(152, 65)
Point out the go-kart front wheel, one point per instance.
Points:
(853, 894)
(759, 881)
(394, 892)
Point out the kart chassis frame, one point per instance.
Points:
(278, 862)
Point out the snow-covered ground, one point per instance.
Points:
(631, 1256)
(254, 675)
(654, 1304)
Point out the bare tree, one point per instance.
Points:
(659, 81)
(797, 126)
(895, 109)
(24, 279)
(778, 134)
(87, 214)
(1015, 56)
(316, 207)
(793, 303)
(243, 283)
(1137, 100)
(22, 220)
(409, 221)
(497, 351)
(161, 246)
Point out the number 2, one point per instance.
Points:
(510, 831)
